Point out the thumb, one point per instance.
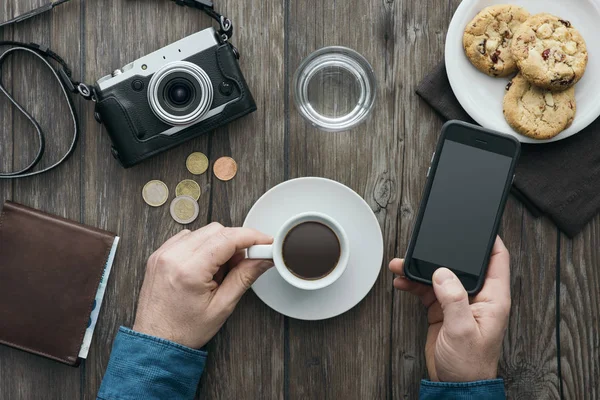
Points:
(239, 279)
(458, 317)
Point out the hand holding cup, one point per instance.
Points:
(194, 281)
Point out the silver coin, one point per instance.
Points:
(184, 209)
(155, 193)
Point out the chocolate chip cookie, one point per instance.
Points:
(550, 52)
(536, 112)
(488, 37)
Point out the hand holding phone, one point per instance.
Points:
(467, 187)
(464, 339)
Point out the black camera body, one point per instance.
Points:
(175, 94)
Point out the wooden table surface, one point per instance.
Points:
(374, 351)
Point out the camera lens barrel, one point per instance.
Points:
(180, 93)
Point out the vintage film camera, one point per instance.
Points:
(174, 94)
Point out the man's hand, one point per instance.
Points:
(195, 280)
(464, 339)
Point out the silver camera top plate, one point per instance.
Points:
(151, 63)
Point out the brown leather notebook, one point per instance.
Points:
(53, 274)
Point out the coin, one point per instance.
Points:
(197, 163)
(155, 193)
(225, 168)
(188, 187)
(184, 209)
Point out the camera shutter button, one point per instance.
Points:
(226, 88)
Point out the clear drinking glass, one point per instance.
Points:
(334, 88)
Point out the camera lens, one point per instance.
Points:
(180, 93)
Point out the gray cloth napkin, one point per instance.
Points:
(559, 179)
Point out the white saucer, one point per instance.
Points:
(364, 234)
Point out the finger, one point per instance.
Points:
(496, 287)
(238, 281)
(435, 314)
(220, 275)
(223, 245)
(458, 318)
(225, 268)
(397, 266)
(424, 292)
(237, 258)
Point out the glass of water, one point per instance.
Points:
(334, 88)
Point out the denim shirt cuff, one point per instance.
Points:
(147, 367)
(485, 390)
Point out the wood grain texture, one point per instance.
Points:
(116, 206)
(580, 313)
(58, 191)
(374, 351)
(420, 34)
(112, 195)
(250, 347)
(6, 131)
(337, 358)
(529, 364)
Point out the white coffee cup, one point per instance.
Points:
(274, 251)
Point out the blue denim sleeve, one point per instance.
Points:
(480, 390)
(146, 367)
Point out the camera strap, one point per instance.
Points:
(207, 6)
(63, 74)
(63, 77)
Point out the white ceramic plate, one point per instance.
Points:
(481, 96)
(364, 234)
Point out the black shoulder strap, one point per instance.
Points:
(62, 76)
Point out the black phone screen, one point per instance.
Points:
(461, 211)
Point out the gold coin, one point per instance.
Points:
(155, 193)
(184, 209)
(225, 168)
(197, 163)
(188, 187)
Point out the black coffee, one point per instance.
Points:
(311, 250)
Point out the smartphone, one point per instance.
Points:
(468, 184)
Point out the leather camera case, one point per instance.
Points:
(136, 132)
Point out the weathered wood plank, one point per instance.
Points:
(347, 356)
(529, 363)
(25, 376)
(420, 35)
(6, 131)
(580, 313)
(425, 25)
(248, 350)
(115, 203)
(116, 33)
(6, 164)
